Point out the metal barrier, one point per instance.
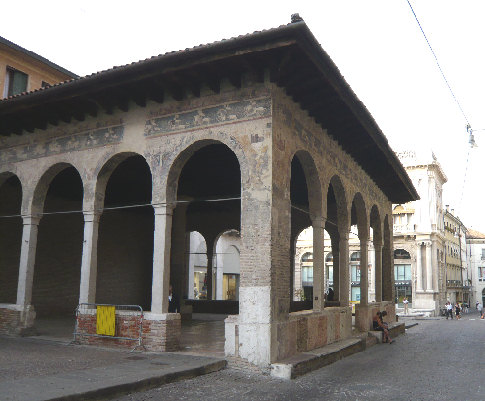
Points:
(121, 313)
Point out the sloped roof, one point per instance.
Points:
(37, 57)
(291, 54)
(473, 234)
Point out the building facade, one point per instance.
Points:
(22, 70)
(419, 236)
(458, 282)
(475, 245)
(103, 177)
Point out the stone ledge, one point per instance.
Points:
(305, 362)
(395, 329)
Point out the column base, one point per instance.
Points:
(17, 320)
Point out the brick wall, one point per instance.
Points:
(157, 335)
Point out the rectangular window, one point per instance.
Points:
(402, 272)
(355, 273)
(15, 82)
(483, 253)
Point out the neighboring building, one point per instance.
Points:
(419, 264)
(475, 243)
(22, 70)
(259, 135)
(457, 281)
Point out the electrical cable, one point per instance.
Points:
(438, 64)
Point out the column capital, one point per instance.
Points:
(427, 243)
(91, 216)
(31, 219)
(163, 209)
(318, 222)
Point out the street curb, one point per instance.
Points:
(107, 393)
(411, 325)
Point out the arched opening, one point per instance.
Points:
(305, 206)
(125, 242)
(329, 286)
(228, 266)
(303, 263)
(207, 179)
(483, 296)
(55, 289)
(197, 259)
(402, 277)
(337, 221)
(10, 236)
(355, 277)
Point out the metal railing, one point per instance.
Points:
(121, 314)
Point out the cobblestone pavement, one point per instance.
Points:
(438, 359)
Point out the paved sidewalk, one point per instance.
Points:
(33, 369)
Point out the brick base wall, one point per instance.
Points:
(15, 321)
(159, 332)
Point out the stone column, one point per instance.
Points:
(429, 268)
(210, 263)
(318, 264)
(344, 280)
(364, 277)
(387, 274)
(378, 270)
(27, 260)
(372, 277)
(419, 268)
(336, 268)
(161, 258)
(89, 263)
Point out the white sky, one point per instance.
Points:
(376, 44)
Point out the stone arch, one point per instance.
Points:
(176, 164)
(312, 181)
(227, 246)
(58, 198)
(337, 208)
(359, 216)
(376, 225)
(204, 185)
(38, 198)
(122, 198)
(103, 172)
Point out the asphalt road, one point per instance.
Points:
(436, 360)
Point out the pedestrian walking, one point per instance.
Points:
(457, 311)
(449, 310)
(405, 302)
(479, 308)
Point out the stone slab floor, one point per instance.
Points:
(438, 359)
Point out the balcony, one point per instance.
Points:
(403, 228)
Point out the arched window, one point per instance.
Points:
(401, 254)
(355, 257)
(307, 269)
(329, 257)
(307, 257)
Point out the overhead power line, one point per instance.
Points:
(438, 64)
